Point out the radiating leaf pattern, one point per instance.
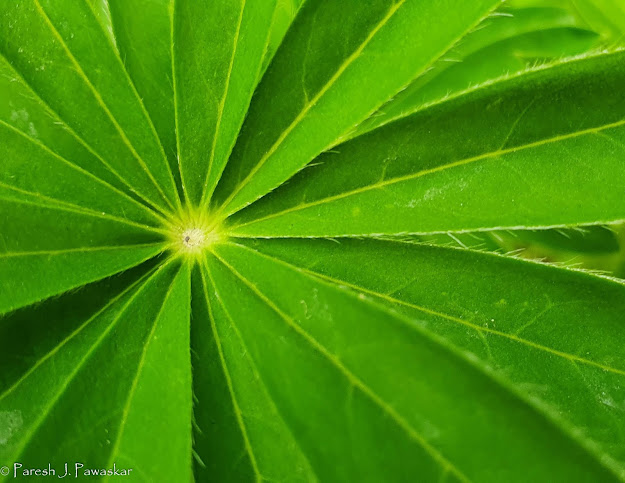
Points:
(220, 230)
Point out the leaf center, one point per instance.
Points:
(193, 231)
(193, 238)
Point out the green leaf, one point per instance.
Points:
(217, 61)
(443, 169)
(160, 395)
(604, 16)
(142, 33)
(511, 42)
(46, 324)
(30, 168)
(408, 377)
(590, 240)
(21, 109)
(152, 386)
(282, 20)
(102, 11)
(312, 95)
(170, 309)
(607, 16)
(234, 413)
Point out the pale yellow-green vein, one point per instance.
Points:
(228, 377)
(435, 313)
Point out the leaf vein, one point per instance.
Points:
(73, 208)
(222, 103)
(48, 407)
(145, 112)
(80, 250)
(135, 379)
(260, 379)
(466, 323)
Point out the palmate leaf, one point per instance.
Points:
(142, 33)
(153, 322)
(131, 320)
(92, 94)
(222, 80)
(47, 250)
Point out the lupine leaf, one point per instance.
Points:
(45, 250)
(282, 20)
(23, 110)
(606, 17)
(142, 33)
(509, 43)
(555, 318)
(92, 94)
(249, 423)
(31, 168)
(590, 239)
(239, 241)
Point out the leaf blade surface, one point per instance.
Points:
(358, 342)
(112, 333)
(551, 333)
(219, 47)
(312, 89)
(445, 169)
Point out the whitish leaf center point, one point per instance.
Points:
(193, 238)
(193, 232)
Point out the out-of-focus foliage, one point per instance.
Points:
(606, 17)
